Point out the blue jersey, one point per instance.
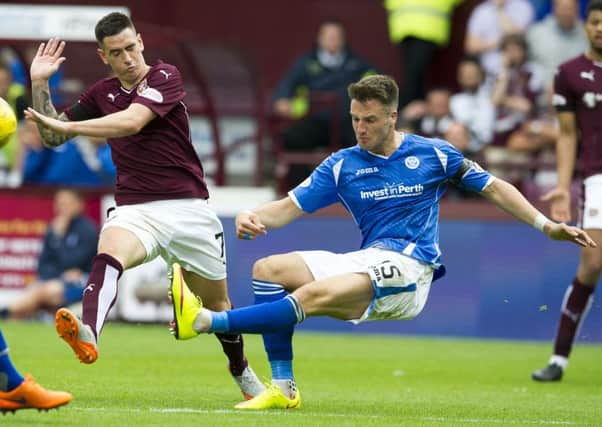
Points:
(395, 200)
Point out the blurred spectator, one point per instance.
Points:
(489, 22)
(558, 37)
(20, 72)
(15, 95)
(326, 70)
(418, 28)
(432, 118)
(472, 106)
(515, 92)
(81, 162)
(65, 261)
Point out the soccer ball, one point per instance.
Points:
(8, 122)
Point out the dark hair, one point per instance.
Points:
(112, 24)
(376, 87)
(516, 39)
(593, 5)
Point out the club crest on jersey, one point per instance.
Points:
(412, 162)
(147, 92)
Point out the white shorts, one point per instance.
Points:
(592, 207)
(401, 284)
(186, 231)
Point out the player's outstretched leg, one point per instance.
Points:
(272, 398)
(29, 394)
(186, 306)
(78, 335)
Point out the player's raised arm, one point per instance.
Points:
(45, 63)
(508, 198)
(274, 214)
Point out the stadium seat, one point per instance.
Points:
(319, 101)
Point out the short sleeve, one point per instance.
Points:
(564, 98)
(464, 173)
(320, 188)
(85, 107)
(161, 90)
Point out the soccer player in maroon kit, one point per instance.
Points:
(578, 101)
(161, 194)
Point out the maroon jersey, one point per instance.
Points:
(159, 162)
(578, 88)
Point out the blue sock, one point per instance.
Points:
(9, 376)
(259, 319)
(278, 345)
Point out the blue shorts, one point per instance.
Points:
(74, 291)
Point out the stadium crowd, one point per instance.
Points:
(497, 112)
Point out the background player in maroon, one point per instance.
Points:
(578, 101)
(161, 194)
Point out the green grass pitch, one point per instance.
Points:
(145, 378)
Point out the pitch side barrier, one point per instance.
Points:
(504, 279)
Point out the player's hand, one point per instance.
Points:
(560, 204)
(57, 126)
(47, 60)
(561, 231)
(248, 225)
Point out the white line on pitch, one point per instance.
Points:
(324, 414)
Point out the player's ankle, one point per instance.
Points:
(287, 386)
(203, 321)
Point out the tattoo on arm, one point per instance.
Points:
(43, 104)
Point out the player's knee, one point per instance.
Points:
(314, 299)
(269, 269)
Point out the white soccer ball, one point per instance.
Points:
(8, 122)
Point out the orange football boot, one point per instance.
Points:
(77, 335)
(30, 394)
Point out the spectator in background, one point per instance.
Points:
(418, 28)
(15, 95)
(558, 37)
(489, 22)
(472, 106)
(432, 118)
(81, 161)
(65, 261)
(515, 93)
(20, 72)
(326, 70)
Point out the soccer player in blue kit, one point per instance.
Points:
(391, 183)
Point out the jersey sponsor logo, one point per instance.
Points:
(590, 99)
(365, 171)
(89, 288)
(392, 191)
(112, 96)
(412, 162)
(587, 75)
(165, 73)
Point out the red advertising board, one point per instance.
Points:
(24, 216)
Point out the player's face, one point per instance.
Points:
(374, 126)
(123, 53)
(593, 29)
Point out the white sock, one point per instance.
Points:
(288, 387)
(202, 321)
(561, 361)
